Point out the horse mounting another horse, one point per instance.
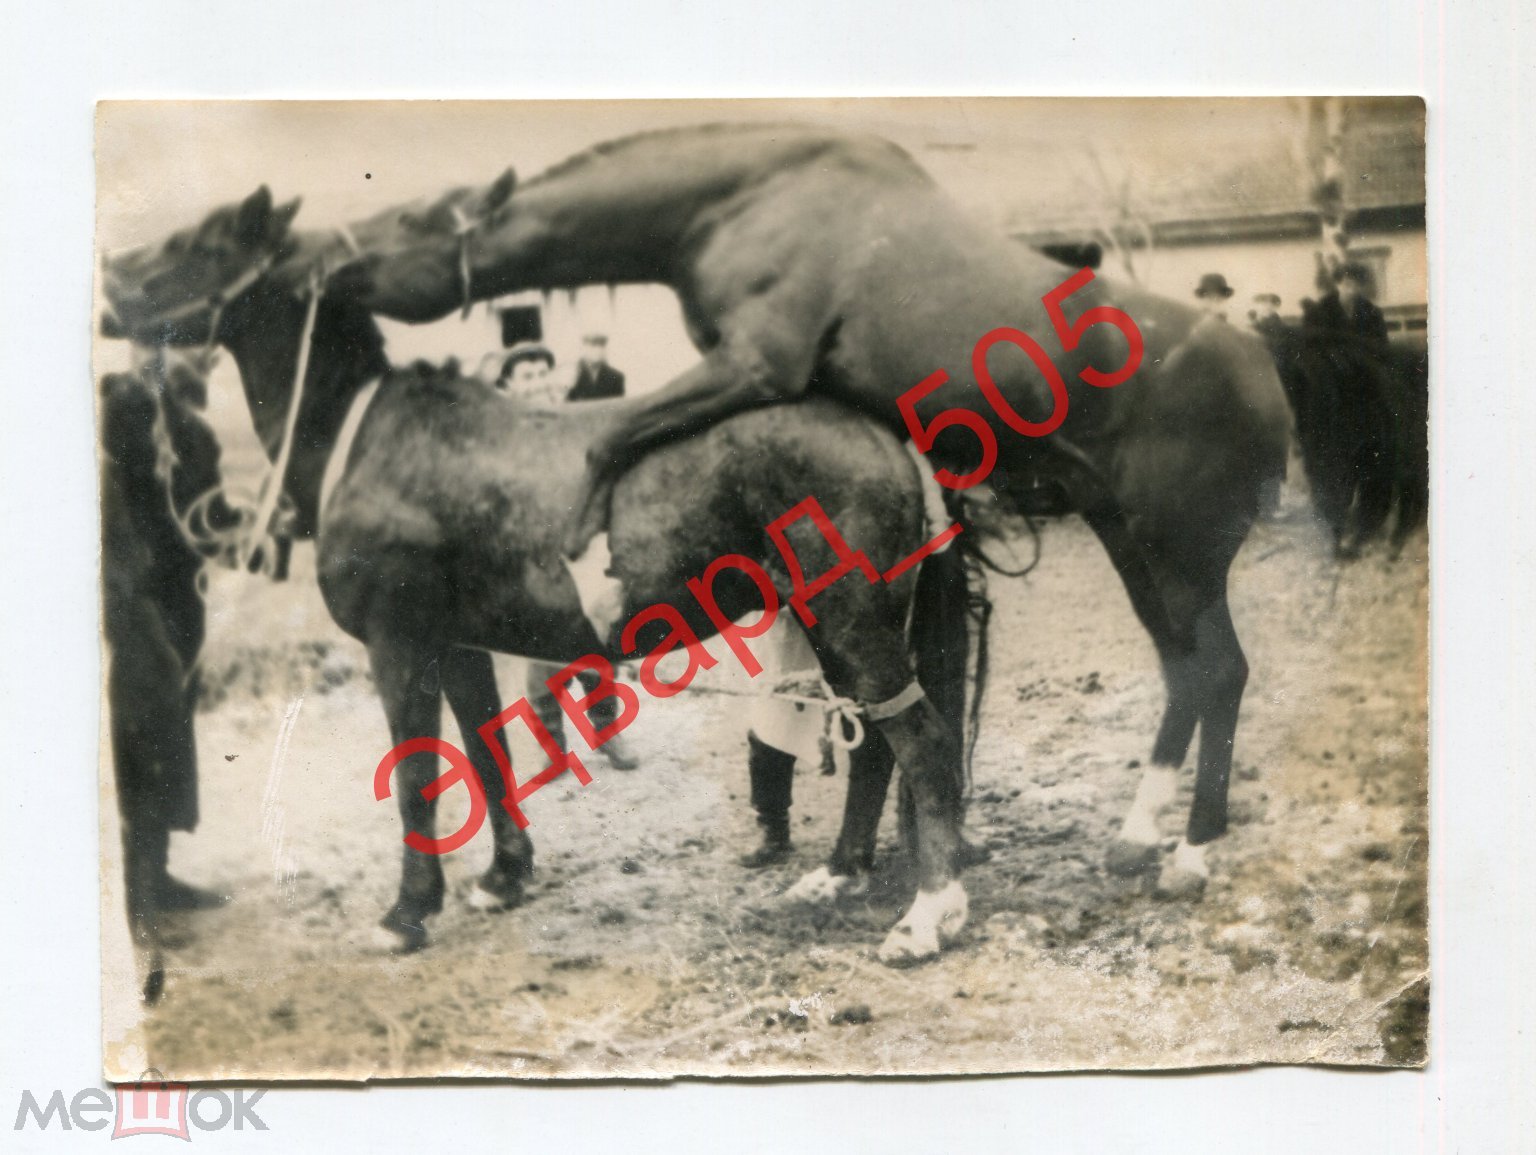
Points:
(813, 263)
(439, 535)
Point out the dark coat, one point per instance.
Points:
(1363, 321)
(153, 613)
(598, 385)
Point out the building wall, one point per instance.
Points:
(1285, 267)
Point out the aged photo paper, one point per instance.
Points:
(637, 589)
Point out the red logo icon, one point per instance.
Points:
(152, 1108)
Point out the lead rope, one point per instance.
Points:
(463, 227)
(272, 483)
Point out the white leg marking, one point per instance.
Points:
(819, 886)
(1185, 873)
(384, 941)
(1156, 790)
(602, 596)
(481, 899)
(935, 918)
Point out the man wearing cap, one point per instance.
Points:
(1213, 292)
(525, 373)
(596, 380)
(1265, 315)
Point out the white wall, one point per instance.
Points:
(1284, 267)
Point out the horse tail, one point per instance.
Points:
(941, 626)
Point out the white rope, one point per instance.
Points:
(272, 484)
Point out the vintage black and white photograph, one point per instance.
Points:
(640, 589)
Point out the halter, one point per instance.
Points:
(463, 228)
(214, 302)
(250, 530)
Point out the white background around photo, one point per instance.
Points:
(1476, 66)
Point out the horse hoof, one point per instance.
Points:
(1126, 859)
(819, 886)
(1184, 875)
(934, 920)
(397, 936)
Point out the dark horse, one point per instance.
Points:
(811, 262)
(158, 458)
(439, 540)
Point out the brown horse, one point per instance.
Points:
(808, 261)
(439, 540)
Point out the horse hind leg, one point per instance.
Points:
(408, 679)
(864, 656)
(1137, 847)
(1223, 675)
(469, 684)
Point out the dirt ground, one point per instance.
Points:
(645, 950)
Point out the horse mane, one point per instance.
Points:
(688, 135)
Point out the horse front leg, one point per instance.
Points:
(408, 677)
(768, 362)
(469, 683)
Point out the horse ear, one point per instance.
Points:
(499, 192)
(251, 218)
(283, 215)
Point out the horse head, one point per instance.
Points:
(170, 293)
(413, 263)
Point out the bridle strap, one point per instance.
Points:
(215, 301)
(464, 228)
(272, 483)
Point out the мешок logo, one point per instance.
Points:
(152, 1109)
(148, 1107)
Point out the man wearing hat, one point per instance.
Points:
(596, 380)
(1213, 293)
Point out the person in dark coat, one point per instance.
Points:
(1265, 314)
(1348, 311)
(158, 454)
(596, 380)
(1351, 409)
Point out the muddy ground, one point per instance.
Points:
(646, 950)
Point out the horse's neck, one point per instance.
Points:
(622, 212)
(263, 331)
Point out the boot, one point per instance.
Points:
(772, 773)
(619, 754)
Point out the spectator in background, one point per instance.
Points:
(525, 374)
(596, 380)
(1265, 314)
(1212, 293)
(1347, 310)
